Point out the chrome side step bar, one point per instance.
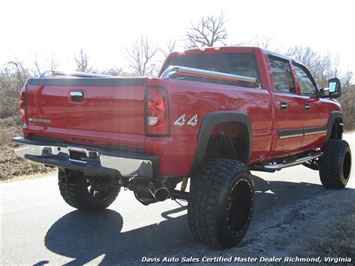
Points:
(272, 167)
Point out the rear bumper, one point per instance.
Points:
(89, 160)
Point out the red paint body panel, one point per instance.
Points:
(115, 115)
(107, 116)
(195, 98)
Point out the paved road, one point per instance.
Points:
(38, 228)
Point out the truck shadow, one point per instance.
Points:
(88, 236)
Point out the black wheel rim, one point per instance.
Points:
(346, 166)
(239, 207)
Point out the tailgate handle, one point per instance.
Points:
(77, 96)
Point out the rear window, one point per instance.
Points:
(243, 64)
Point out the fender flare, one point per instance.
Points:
(333, 117)
(209, 122)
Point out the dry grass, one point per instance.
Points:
(11, 165)
(338, 239)
(9, 127)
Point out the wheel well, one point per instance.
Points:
(337, 129)
(335, 126)
(226, 141)
(223, 134)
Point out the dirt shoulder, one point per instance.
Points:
(320, 226)
(11, 166)
(14, 168)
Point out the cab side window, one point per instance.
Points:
(307, 84)
(282, 74)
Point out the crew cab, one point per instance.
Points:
(211, 116)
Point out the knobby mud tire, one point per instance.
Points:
(87, 193)
(335, 164)
(221, 203)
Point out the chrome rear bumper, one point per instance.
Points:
(90, 160)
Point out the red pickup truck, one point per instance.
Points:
(213, 115)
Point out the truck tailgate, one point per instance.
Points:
(90, 111)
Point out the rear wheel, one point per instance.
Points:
(87, 193)
(335, 164)
(221, 203)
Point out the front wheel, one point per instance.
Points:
(87, 193)
(335, 164)
(221, 203)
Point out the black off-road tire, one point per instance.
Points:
(87, 193)
(335, 164)
(221, 203)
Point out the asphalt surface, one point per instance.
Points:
(39, 228)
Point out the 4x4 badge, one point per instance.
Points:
(181, 121)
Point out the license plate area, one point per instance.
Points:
(77, 156)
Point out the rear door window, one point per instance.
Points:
(282, 74)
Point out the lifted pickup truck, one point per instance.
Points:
(213, 115)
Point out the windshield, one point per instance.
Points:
(243, 64)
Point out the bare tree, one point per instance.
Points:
(82, 61)
(113, 71)
(262, 41)
(17, 70)
(208, 32)
(347, 101)
(12, 77)
(322, 66)
(169, 48)
(140, 56)
(50, 64)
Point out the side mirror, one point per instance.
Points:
(323, 93)
(334, 88)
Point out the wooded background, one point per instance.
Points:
(145, 58)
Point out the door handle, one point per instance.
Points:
(307, 106)
(77, 96)
(283, 106)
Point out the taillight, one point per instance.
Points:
(157, 112)
(22, 104)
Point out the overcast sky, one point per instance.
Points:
(103, 28)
